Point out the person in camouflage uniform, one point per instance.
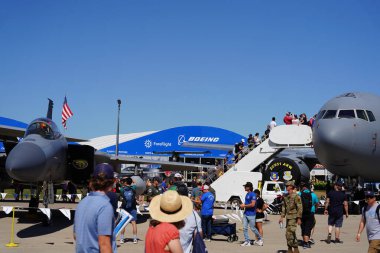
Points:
(292, 210)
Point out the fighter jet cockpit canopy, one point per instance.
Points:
(44, 127)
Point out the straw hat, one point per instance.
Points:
(170, 207)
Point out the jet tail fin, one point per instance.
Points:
(50, 109)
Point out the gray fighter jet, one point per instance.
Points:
(44, 156)
(346, 135)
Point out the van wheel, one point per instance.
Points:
(235, 202)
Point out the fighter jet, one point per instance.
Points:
(346, 135)
(46, 156)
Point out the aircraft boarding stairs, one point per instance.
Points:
(281, 137)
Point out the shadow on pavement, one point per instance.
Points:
(58, 223)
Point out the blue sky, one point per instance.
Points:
(228, 64)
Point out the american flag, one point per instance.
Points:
(66, 113)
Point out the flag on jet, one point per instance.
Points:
(66, 113)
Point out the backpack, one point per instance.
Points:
(199, 245)
(129, 197)
(377, 212)
(307, 203)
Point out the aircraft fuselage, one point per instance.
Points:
(346, 136)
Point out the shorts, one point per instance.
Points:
(308, 222)
(260, 217)
(374, 246)
(335, 221)
(133, 212)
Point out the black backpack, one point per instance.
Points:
(307, 202)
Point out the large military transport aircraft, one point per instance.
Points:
(346, 136)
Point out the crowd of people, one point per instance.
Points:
(178, 216)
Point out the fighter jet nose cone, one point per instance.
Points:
(26, 162)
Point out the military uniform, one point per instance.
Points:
(292, 209)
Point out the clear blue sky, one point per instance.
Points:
(228, 64)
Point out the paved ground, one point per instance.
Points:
(31, 236)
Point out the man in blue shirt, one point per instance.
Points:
(249, 217)
(207, 211)
(94, 216)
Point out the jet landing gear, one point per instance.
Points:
(48, 198)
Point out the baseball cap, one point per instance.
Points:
(205, 187)
(370, 194)
(103, 168)
(339, 183)
(178, 175)
(248, 184)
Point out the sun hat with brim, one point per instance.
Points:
(170, 207)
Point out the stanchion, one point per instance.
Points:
(11, 243)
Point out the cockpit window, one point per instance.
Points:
(40, 128)
(346, 114)
(362, 115)
(371, 116)
(320, 114)
(330, 114)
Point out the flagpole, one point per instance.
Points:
(118, 127)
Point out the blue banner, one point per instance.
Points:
(172, 139)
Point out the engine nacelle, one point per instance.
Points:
(80, 163)
(286, 169)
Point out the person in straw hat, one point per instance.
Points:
(168, 212)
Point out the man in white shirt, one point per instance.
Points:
(272, 124)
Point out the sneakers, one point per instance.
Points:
(122, 241)
(259, 242)
(311, 241)
(135, 240)
(328, 240)
(245, 244)
(306, 245)
(338, 241)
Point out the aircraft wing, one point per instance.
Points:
(11, 133)
(225, 147)
(165, 165)
(72, 139)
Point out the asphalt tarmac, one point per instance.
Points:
(32, 236)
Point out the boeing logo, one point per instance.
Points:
(181, 139)
(203, 139)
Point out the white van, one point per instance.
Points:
(230, 188)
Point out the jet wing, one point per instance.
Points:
(225, 147)
(165, 165)
(72, 139)
(11, 133)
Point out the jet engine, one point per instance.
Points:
(80, 163)
(287, 169)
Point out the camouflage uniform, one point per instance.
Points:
(292, 209)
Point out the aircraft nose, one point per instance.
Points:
(332, 142)
(26, 162)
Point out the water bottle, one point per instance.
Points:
(281, 225)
